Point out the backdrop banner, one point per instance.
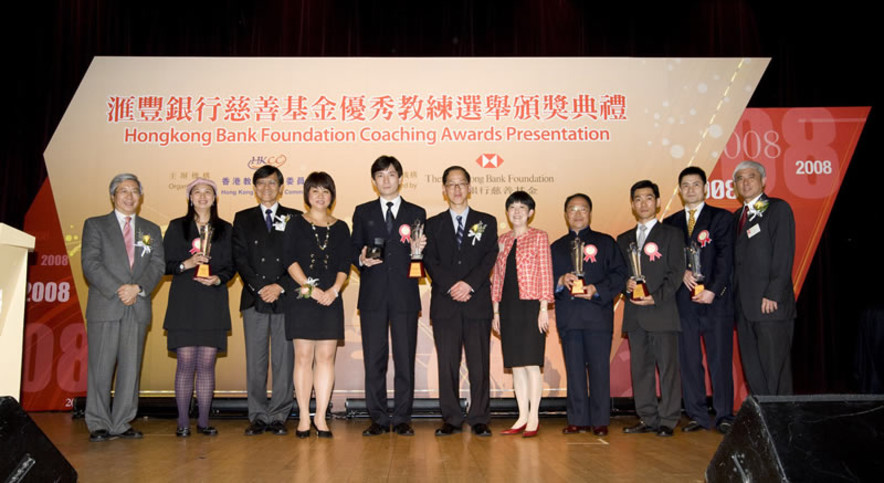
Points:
(550, 126)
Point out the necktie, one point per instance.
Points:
(742, 220)
(268, 220)
(389, 218)
(642, 235)
(130, 241)
(691, 221)
(459, 235)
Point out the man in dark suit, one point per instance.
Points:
(651, 321)
(461, 250)
(586, 321)
(706, 313)
(122, 258)
(763, 254)
(387, 296)
(258, 235)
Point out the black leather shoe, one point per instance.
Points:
(664, 431)
(692, 426)
(403, 429)
(255, 428)
(600, 430)
(278, 428)
(182, 432)
(100, 436)
(725, 427)
(375, 430)
(447, 429)
(302, 434)
(640, 428)
(131, 434)
(481, 429)
(207, 430)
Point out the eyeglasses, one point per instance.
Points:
(578, 209)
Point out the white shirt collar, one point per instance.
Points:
(397, 202)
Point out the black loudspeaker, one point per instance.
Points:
(803, 438)
(26, 454)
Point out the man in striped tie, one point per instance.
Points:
(122, 256)
(461, 250)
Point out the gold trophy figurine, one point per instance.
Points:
(692, 255)
(205, 247)
(416, 269)
(579, 285)
(635, 264)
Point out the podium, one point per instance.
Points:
(14, 248)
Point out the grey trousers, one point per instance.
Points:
(113, 345)
(265, 339)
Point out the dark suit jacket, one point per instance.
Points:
(472, 262)
(763, 263)
(106, 267)
(716, 260)
(663, 276)
(258, 256)
(608, 273)
(389, 280)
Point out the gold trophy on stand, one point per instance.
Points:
(635, 264)
(416, 269)
(205, 246)
(692, 255)
(579, 285)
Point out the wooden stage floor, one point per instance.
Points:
(349, 456)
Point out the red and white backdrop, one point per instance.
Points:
(550, 126)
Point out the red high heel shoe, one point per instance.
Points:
(531, 434)
(511, 431)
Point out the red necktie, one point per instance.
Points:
(742, 220)
(130, 241)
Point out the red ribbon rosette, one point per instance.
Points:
(405, 233)
(590, 251)
(652, 251)
(704, 238)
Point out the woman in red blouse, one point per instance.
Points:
(521, 289)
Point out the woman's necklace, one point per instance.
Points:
(321, 244)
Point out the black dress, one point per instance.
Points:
(522, 343)
(322, 253)
(197, 315)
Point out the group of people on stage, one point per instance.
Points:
(294, 265)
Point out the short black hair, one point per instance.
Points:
(448, 171)
(267, 171)
(578, 195)
(692, 170)
(385, 162)
(520, 197)
(319, 179)
(645, 183)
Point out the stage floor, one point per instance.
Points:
(349, 456)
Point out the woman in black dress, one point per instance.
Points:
(197, 315)
(317, 251)
(521, 289)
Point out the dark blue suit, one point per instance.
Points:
(387, 298)
(586, 326)
(713, 233)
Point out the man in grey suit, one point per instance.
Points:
(652, 321)
(258, 234)
(765, 301)
(122, 258)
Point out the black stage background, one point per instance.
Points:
(821, 57)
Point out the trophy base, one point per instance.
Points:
(698, 289)
(578, 287)
(640, 291)
(416, 269)
(202, 271)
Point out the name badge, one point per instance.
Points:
(753, 231)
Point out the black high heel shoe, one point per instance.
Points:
(322, 434)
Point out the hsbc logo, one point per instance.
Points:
(489, 161)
